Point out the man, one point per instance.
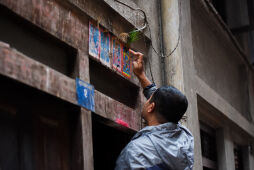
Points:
(164, 144)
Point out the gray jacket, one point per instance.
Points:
(168, 146)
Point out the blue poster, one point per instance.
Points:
(94, 41)
(105, 48)
(85, 94)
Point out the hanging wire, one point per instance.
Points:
(136, 9)
(178, 40)
(146, 24)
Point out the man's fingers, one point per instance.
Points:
(140, 57)
(137, 54)
(135, 64)
(132, 52)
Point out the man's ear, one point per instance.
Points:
(151, 107)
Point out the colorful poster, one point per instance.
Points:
(117, 55)
(126, 63)
(105, 48)
(94, 41)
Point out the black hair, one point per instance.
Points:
(170, 103)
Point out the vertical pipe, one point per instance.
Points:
(179, 67)
(162, 59)
(170, 21)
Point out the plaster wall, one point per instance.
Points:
(36, 43)
(153, 13)
(72, 29)
(237, 16)
(151, 8)
(218, 65)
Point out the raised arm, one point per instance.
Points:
(138, 70)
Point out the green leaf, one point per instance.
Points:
(133, 36)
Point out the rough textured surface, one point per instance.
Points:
(222, 83)
(219, 65)
(206, 64)
(68, 22)
(17, 66)
(226, 146)
(136, 18)
(222, 106)
(87, 139)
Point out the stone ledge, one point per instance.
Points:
(223, 106)
(57, 18)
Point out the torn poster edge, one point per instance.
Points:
(107, 35)
(91, 53)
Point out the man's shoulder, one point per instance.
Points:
(139, 152)
(142, 141)
(140, 147)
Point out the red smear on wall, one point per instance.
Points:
(121, 122)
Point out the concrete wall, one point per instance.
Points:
(224, 81)
(218, 65)
(151, 8)
(153, 13)
(237, 16)
(68, 22)
(205, 63)
(70, 26)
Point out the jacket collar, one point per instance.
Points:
(150, 129)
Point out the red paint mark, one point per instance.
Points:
(121, 122)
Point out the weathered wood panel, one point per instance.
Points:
(87, 139)
(28, 71)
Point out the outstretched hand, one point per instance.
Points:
(138, 68)
(138, 63)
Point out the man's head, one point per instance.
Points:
(167, 104)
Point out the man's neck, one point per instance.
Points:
(153, 123)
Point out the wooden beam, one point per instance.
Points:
(16, 65)
(87, 138)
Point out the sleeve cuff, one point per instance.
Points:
(149, 90)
